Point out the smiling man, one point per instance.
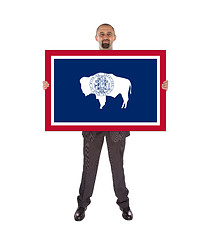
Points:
(93, 142)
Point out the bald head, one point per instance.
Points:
(105, 24)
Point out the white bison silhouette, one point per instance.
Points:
(103, 84)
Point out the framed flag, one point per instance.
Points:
(110, 90)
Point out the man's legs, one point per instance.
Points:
(116, 151)
(91, 150)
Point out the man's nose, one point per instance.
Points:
(105, 36)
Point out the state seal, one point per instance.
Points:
(101, 84)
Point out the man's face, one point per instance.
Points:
(105, 36)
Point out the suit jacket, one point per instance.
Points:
(115, 136)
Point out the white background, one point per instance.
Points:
(167, 173)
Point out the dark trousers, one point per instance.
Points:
(92, 150)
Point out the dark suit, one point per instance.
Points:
(93, 142)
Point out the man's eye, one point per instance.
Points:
(101, 34)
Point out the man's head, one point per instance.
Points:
(105, 35)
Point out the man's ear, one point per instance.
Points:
(114, 37)
(96, 38)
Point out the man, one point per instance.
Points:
(93, 142)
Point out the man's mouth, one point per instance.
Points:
(106, 43)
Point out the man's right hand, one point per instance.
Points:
(45, 85)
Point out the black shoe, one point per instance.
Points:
(127, 213)
(80, 213)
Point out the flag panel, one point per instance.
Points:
(105, 90)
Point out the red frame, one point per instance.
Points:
(49, 53)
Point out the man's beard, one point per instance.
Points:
(105, 45)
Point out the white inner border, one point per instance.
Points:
(105, 123)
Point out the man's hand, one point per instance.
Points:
(165, 85)
(45, 85)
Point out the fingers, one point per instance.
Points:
(45, 85)
(165, 85)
